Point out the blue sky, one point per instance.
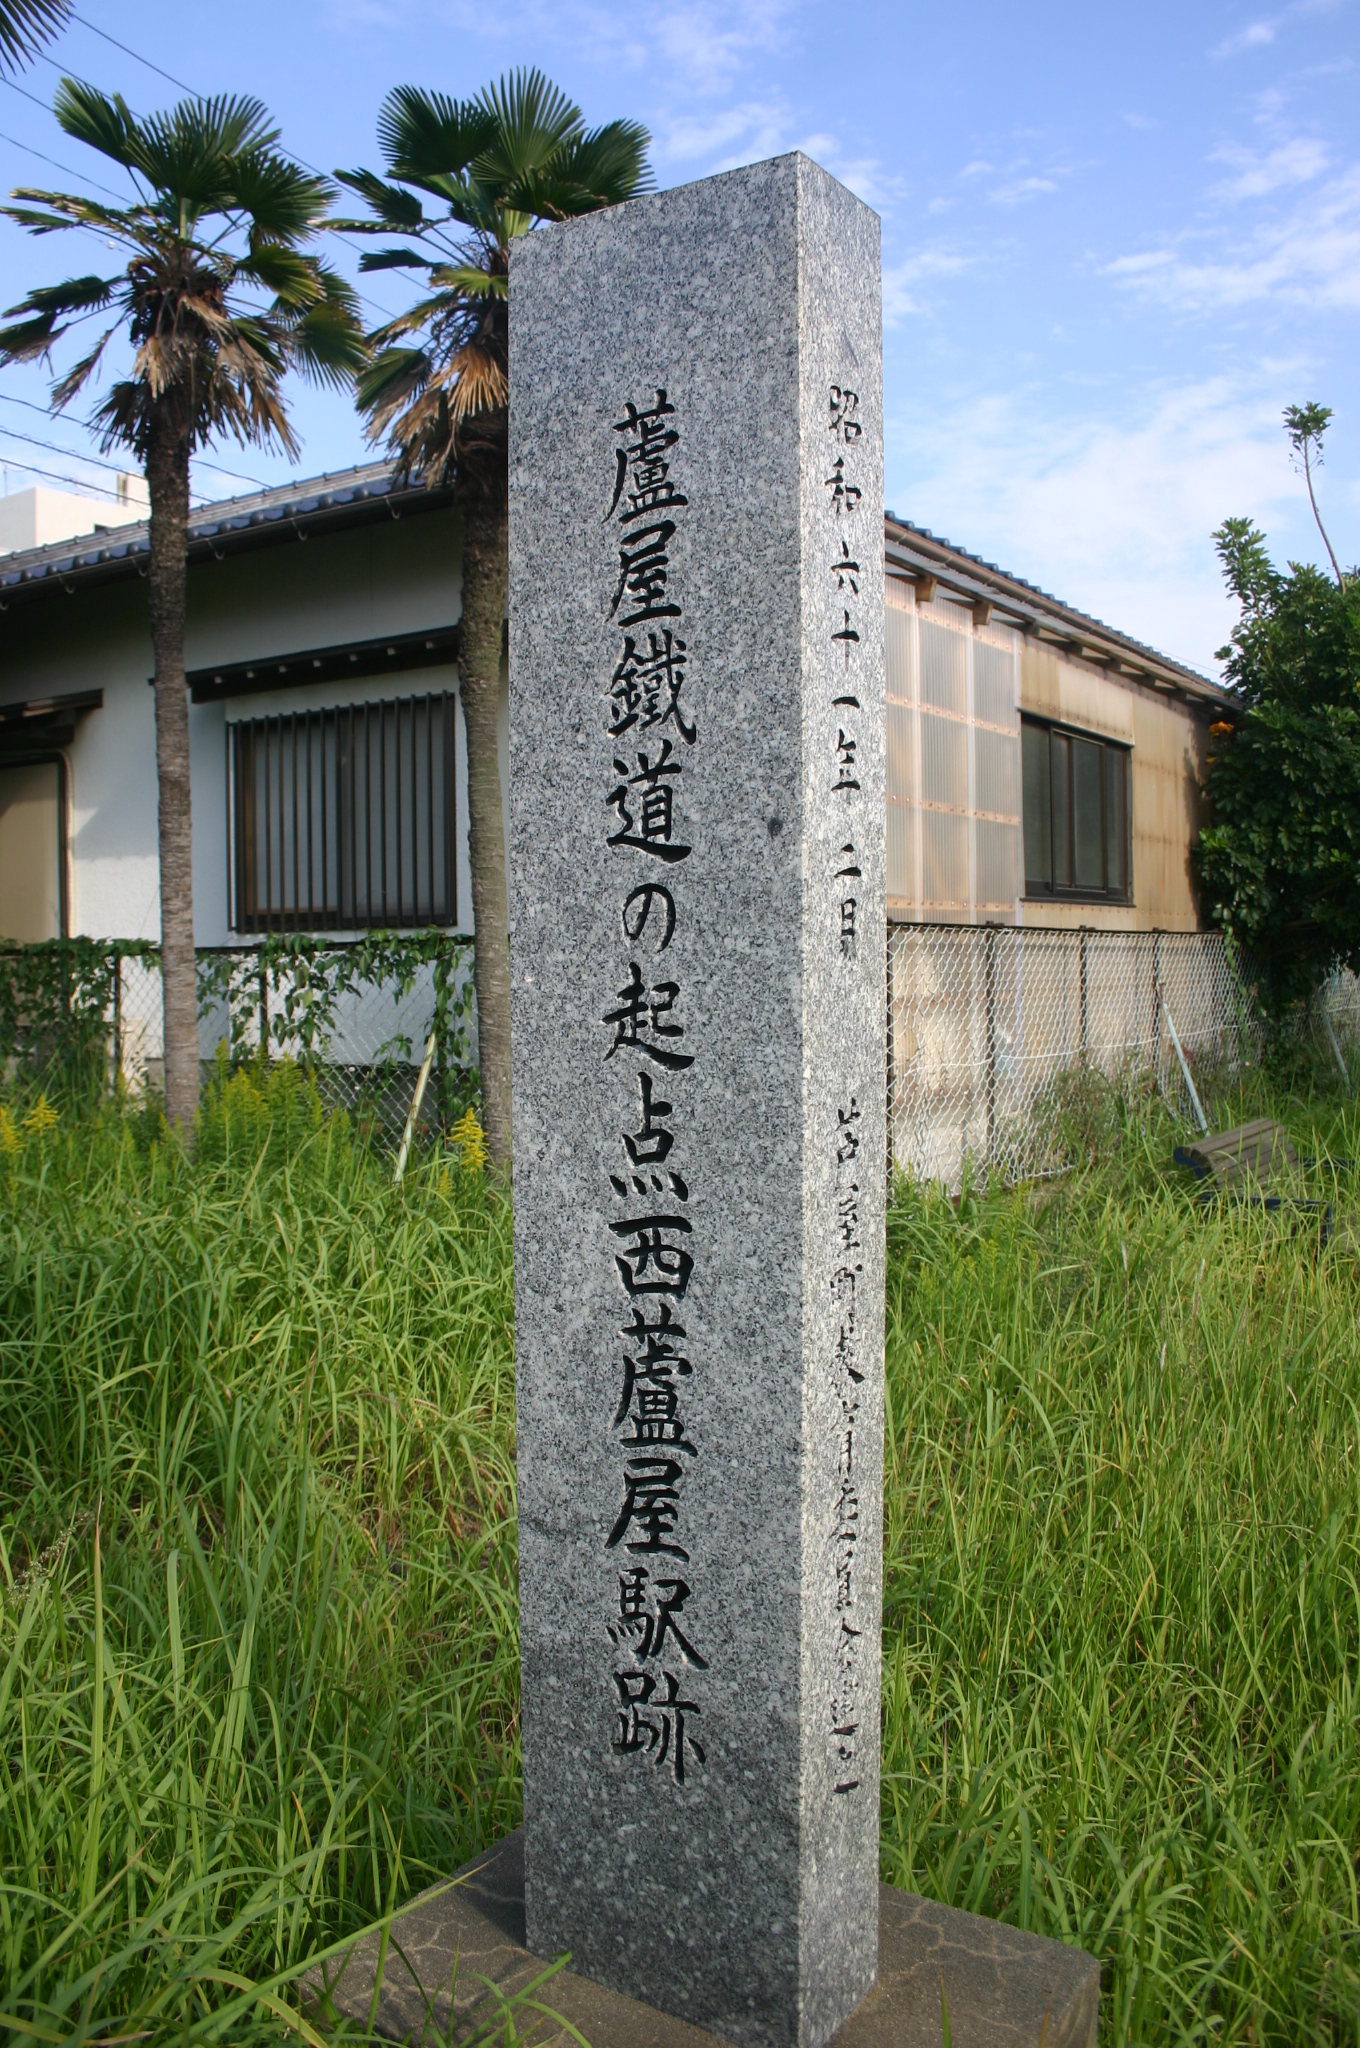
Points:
(1117, 241)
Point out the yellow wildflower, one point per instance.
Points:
(41, 1117)
(9, 1137)
(470, 1140)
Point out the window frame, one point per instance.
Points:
(339, 785)
(1038, 891)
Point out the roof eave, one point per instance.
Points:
(123, 552)
(917, 555)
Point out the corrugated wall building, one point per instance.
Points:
(1043, 768)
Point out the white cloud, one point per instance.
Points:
(1114, 515)
(1290, 163)
(899, 299)
(1258, 35)
(1017, 190)
(1310, 257)
(701, 46)
(723, 136)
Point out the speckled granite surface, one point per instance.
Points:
(697, 821)
(1002, 1989)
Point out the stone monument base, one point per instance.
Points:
(1001, 1988)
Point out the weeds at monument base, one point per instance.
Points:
(1122, 1551)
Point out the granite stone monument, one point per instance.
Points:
(697, 909)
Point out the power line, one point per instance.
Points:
(66, 170)
(138, 58)
(135, 54)
(80, 483)
(55, 447)
(55, 476)
(201, 461)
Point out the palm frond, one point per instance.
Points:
(389, 381)
(25, 25)
(36, 223)
(469, 203)
(106, 123)
(470, 281)
(121, 420)
(534, 122)
(283, 201)
(327, 346)
(477, 380)
(75, 296)
(76, 211)
(426, 134)
(291, 276)
(187, 150)
(27, 340)
(394, 259)
(73, 383)
(394, 208)
(189, 154)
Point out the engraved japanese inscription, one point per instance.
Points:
(654, 1249)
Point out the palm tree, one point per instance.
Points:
(217, 225)
(25, 25)
(437, 391)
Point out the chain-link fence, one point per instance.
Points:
(989, 1025)
(358, 1017)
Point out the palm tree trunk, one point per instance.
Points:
(167, 477)
(485, 570)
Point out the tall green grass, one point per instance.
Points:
(258, 1674)
(1123, 1584)
(258, 1671)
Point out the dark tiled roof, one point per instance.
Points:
(349, 497)
(345, 498)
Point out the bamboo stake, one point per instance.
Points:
(416, 1101)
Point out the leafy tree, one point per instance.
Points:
(219, 219)
(1280, 863)
(436, 391)
(25, 25)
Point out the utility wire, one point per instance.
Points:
(97, 461)
(160, 72)
(200, 461)
(136, 54)
(65, 169)
(54, 476)
(82, 483)
(55, 448)
(121, 197)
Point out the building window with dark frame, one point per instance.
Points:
(1076, 800)
(345, 819)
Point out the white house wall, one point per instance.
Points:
(392, 576)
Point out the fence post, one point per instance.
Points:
(1084, 1021)
(892, 1062)
(264, 1007)
(117, 1019)
(991, 1041)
